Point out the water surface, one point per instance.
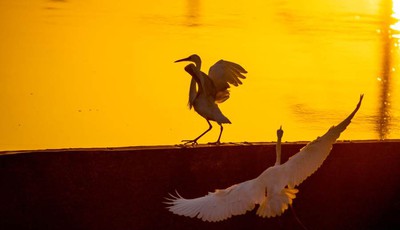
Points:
(101, 73)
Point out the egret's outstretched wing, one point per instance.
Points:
(297, 169)
(310, 158)
(221, 204)
(224, 72)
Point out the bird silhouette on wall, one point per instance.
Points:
(208, 90)
(273, 190)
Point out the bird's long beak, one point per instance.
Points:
(184, 59)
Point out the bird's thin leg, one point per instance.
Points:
(297, 218)
(194, 141)
(219, 137)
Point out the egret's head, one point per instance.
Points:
(193, 58)
(279, 132)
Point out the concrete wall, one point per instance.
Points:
(356, 188)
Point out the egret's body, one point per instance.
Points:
(208, 90)
(274, 190)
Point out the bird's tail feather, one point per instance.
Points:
(275, 205)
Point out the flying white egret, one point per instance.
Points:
(211, 89)
(274, 190)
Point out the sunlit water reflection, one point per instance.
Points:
(101, 73)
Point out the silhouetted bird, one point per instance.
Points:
(208, 90)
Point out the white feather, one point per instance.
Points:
(221, 204)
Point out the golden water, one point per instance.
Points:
(85, 73)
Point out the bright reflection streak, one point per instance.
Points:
(390, 34)
(396, 16)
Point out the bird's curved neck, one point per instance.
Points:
(200, 80)
(196, 77)
(278, 152)
(279, 134)
(197, 62)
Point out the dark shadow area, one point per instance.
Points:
(356, 187)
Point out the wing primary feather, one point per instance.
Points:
(223, 73)
(304, 163)
(236, 66)
(219, 205)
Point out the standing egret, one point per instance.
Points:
(211, 89)
(274, 190)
